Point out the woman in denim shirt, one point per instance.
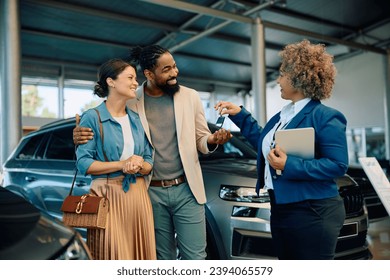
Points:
(117, 161)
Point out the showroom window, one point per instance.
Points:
(40, 98)
(79, 97)
(366, 142)
(44, 100)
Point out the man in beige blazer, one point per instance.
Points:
(174, 121)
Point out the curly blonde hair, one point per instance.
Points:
(310, 69)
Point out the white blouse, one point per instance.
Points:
(128, 140)
(287, 113)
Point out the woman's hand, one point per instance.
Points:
(277, 158)
(133, 164)
(224, 107)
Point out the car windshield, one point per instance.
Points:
(238, 148)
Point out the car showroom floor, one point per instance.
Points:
(379, 238)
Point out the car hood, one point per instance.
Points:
(240, 167)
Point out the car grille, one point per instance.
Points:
(353, 201)
(251, 244)
(350, 244)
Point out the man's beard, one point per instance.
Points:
(169, 89)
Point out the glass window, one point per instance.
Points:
(237, 147)
(61, 145)
(31, 146)
(78, 101)
(39, 101)
(41, 98)
(366, 142)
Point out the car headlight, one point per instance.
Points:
(77, 250)
(243, 194)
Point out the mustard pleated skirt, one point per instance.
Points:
(129, 233)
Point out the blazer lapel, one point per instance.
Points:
(178, 104)
(142, 115)
(138, 106)
(303, 113)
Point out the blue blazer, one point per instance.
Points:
(303, 179)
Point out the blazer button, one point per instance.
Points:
(275, 177)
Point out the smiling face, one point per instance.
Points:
(125, 85)
(164, 76)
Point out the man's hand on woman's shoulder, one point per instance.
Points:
(81, 135)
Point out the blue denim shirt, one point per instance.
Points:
(113, 142)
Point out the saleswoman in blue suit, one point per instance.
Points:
(307, 211)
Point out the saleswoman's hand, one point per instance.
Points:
(224, 107)
(277, 158)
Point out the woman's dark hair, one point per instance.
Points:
(110, 69)
(147, 56)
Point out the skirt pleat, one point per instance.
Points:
(129, 233)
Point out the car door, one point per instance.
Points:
(42, 169)
(57, 170)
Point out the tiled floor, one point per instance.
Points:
(379, 239)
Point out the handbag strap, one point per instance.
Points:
(75, 174)
(104, 153)
(101, 133)
(73, 181)
(102, 136)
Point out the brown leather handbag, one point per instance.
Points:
(85, 211)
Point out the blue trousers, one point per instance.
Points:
(179, 223)
(306, 230)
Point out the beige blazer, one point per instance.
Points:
(192, 134)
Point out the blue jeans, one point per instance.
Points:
(179, 222)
